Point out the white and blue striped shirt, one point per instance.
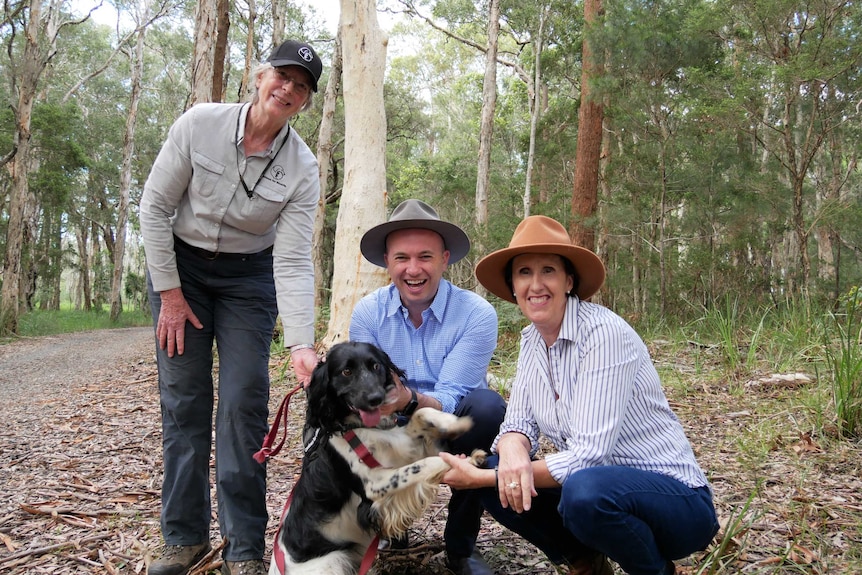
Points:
(447, 356)
(596, 396)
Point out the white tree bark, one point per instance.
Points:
(249, 50)
(126, 168)
(363, 199)
(535, 109)
(486, 130)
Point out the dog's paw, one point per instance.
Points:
(478, 457)
(387, 422)
(431, 422)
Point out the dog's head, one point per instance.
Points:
(348, 388)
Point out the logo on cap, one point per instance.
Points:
(305, 53)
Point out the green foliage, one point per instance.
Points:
(843, 354)
(39, 323)
(731, 544)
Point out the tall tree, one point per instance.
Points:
(486, 124)
(590, 118)
(328, 179)
(203, 62)
(220, 50)
(40, 35)
(535, 108)
(363, 200)
(136, 58)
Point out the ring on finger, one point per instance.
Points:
(513, 485)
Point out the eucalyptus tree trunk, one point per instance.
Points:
(84, 296)
(206, 22)
(363, 199)
(486, 129)
(535, 109)
(31, 66)
(328, 184)
(119, 252)
(590, 116)
(220, 50)
(835, 171)
(249, 49)
(279, 17)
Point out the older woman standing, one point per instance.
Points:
(227, 216)
(624, 482)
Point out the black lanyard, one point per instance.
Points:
(250, 191)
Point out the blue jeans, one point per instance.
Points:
(234, 297)
(638, 518)
(487, 409)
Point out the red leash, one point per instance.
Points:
(268, 451)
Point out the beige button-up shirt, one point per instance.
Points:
(194, 192)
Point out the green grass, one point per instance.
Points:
(843, 352)
(39, 323)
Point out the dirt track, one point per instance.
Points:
(33, 369)
(80, 463)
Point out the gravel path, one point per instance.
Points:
(36, 369)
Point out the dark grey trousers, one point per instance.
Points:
(234, 297)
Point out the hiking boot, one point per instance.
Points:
(473, 565)
(255, 567)
(177, 559)
(598, 565)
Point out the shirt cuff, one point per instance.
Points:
(300, 346)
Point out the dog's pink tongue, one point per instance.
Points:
(370, 418)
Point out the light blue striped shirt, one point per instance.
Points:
(596, 396)
(447, 356)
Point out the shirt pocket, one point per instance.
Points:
(206, 175)
(260, 212)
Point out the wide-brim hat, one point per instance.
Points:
(413, 214)
(540, 235)
(293, 53)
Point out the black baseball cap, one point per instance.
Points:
(294, 53)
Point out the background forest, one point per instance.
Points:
(706, 149)
(728, 154)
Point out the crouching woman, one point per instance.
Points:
(623, 482)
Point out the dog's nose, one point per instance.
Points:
(375, 398)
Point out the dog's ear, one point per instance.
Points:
(385, 360)
(317, 408)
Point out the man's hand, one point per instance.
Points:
(304, 361)
(171, 326)
(463, 474)
(398, 400)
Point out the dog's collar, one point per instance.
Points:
(360, 449)
(313, 442)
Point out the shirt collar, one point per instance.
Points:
(438, 305)
(568, 331)
(240, 131)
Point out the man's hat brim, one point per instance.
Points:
(373, 243)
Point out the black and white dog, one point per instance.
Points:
(342, 501)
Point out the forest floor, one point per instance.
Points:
(80, 468)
